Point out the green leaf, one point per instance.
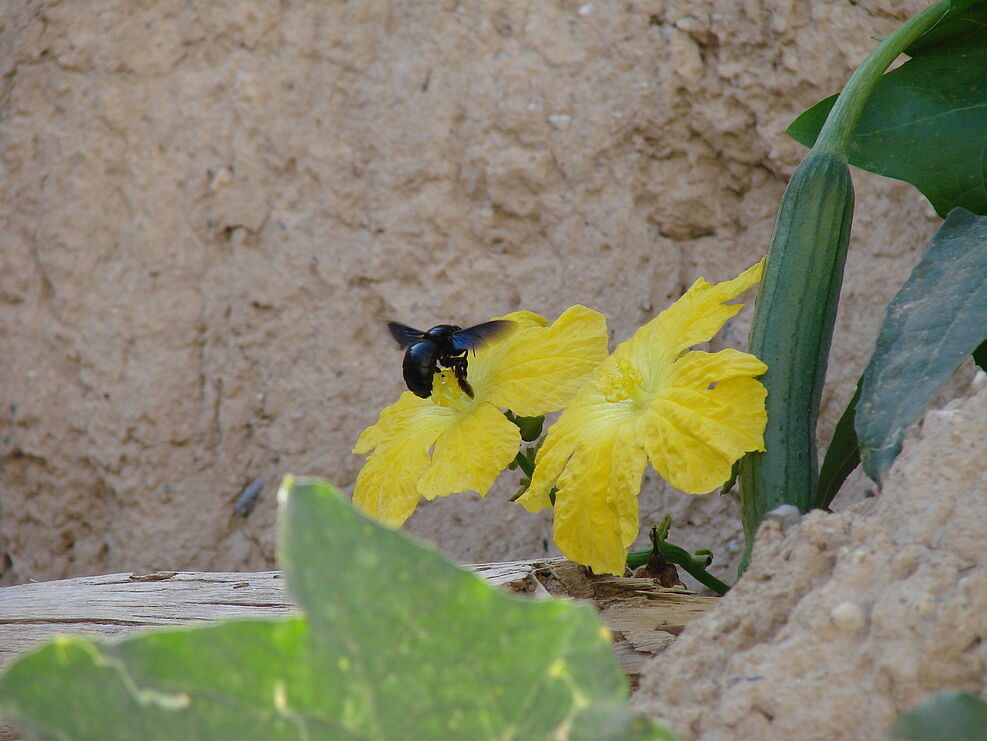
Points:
(980, 356)
(446, 645)
(965, 19)
(842, 456)
(938, 318)
(926, 122)
(948, 715)
(734, 475)
(216, 682)
(396, 643)
(530, 427)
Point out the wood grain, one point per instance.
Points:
(644, 617)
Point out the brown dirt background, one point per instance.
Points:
(209, 209)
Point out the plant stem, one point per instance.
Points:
(525, 464)
(695, 566)
(837, 132)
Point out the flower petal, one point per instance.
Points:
(591, 454)
(695, 317)
(469, 454)
(694, 432)
(692, 413)
(561, 440)
(392, 420)
(387, 485)
(525, 318)
(596, 510)
(538, 369)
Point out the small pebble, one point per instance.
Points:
(559, 121)
(787, 515)
(847, 616)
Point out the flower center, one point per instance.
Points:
(445, 388)
(622, 385)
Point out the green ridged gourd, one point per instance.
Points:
(796, 308)
(792, 331)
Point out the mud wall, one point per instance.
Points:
(210, 208)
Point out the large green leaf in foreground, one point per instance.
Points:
(396, 643)
(926, 121)
(938, 318)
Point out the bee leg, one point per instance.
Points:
(459, 368)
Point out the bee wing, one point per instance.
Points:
(404, 335)
(469, 338)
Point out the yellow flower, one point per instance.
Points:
(691, 413)
(533, 369)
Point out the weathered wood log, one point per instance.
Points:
(114, 605)
(644, 617)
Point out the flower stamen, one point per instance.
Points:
(445, 388)
(622, 385)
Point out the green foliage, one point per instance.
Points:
(924, 123)
(935, 321)
(914, 123)
(980, 356)
(965, 19)
(530, 427)
(395, 643)
(938, 318)
(914, 126)
(842, 456)
(946, 716)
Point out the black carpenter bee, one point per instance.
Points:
(445, 345)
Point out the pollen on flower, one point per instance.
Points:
(445, 388)
(621, 385)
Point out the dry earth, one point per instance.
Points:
(210, 209)
(844, 621)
